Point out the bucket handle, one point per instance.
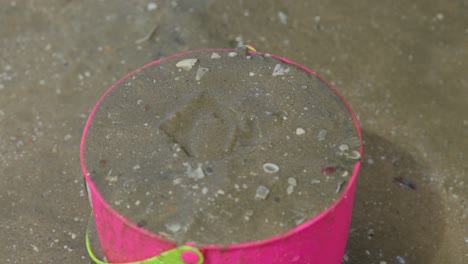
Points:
(178, 255)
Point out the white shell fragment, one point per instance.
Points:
(215, 55)
(194, 173)
(300, 131)
(200, 72)
(314, 181)
(280, 70)
(270, 168)
(339, 186)
(343, 148)
(262, 192)
(400, 260)
(290, 189)
(232, 54)
(151, 6)
(177, 181)
(187, 64)
(173, 227)
(283, 17)
(292, 181)
(354, 155)
(322, 134)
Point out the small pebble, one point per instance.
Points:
(328, 170)
(151, 6)
(314, 181)
(232, 54)
(262, 192)
(290, 189)
(200, 72)
(339, 186)
(346, 258)
(343, 148)
(173, 227)
(300, 131)
(136, 167)
(283, 17)
(280, 70)
(194, 173)
(205, 190)
(177, 181)
(67, 137)
(270, 168)
(35, 248)
(400, 260)
(292, 181)
(187, 64)
(215, 55)
(322, 134)
(251, 74)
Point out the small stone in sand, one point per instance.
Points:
(215, 56)
(290, 189)
(400, 260)
(200, 72)
(300, 131)
(187, 64)
(283, 17)
(151, 6)
(339, 186)
(322, 134)
(280, 70)
(194, 173)
(173, 227)
(262, 192)
(292, 181)
(232, 54)
(343, 147)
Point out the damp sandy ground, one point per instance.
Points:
(228, 150)
(402, 66)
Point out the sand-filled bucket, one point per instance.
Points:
(222, 156)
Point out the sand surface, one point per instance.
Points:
(221, 150)
(401, 64)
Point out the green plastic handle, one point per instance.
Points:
(173, 256)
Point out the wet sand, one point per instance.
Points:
(221, 147)
(401, 65)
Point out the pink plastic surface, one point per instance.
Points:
(321, 240)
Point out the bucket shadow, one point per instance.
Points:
(396, 211)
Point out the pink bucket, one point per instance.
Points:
(319, 240)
